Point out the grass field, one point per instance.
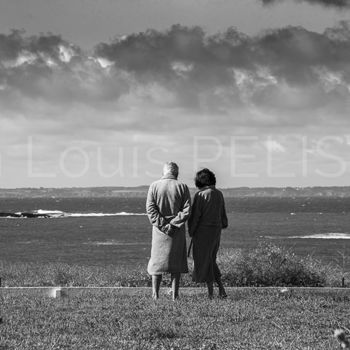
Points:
(107, 318)
(254, 318)
(251, 318)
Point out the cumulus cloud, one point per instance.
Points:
(284, 68)
(178, 80)
(288, 71)
(182, 67)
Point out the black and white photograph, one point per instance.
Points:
(174, 174)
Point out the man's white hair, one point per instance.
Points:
(171, 168)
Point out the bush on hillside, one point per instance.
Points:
(271, 265)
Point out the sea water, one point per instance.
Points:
(103, 231)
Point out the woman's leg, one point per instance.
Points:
(217, 273)
(217, 276)
(222, 292)
(156, 280)
(175, 284)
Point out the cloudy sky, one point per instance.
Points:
(102, 92)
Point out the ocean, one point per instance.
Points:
(116, 231)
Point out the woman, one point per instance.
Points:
(207, 218)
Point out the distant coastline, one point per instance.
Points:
(141, 191)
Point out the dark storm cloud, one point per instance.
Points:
(10, 45)
(282, 69)
(14, 44)
(189, 63)
(26, 62)
(48, 67)
(328, 3)
(155, 52)
(290, 52)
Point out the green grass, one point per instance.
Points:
(254, 318)
(251, 318)
(267, 265)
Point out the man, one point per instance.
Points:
(168, 208)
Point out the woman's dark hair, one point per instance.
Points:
(205, 177)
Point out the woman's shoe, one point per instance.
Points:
(222, 294)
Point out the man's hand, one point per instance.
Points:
(169, 229)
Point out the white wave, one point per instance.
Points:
(59, 213)
(51, 213)
(329, 235)
(42, 211)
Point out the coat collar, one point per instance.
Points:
(169, 176)
(207, 187)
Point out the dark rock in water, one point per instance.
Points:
(34, 215)
(11, 215)
(24, 215)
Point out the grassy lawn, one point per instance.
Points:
(251, 318)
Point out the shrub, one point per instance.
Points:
(270, 265)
